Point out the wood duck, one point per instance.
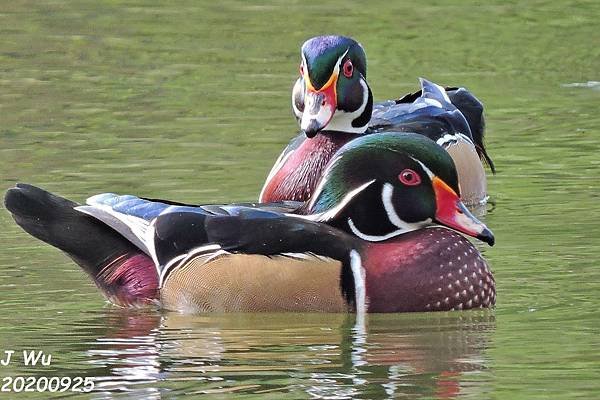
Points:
(364, 242)
(333, 103)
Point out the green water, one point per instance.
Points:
(191, 102)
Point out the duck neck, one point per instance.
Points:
(299, 174)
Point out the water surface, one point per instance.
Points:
(190, 101)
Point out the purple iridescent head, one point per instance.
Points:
(332, 93)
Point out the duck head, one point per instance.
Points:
(381, 186)
(332, 93)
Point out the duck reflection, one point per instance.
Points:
(149, 354)
(127, 353)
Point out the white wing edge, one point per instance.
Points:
(137, 230)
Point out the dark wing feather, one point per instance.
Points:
(251, 231)
(408, 114)
(427, 112)
(472, 109)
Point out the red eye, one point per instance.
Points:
(409, 177)
(348, 68)
(301, 69)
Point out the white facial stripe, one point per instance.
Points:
(336, 67)
(427, 170)
(331, 213)
(386, 197)
(360, 290)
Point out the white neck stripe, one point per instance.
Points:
(427, 170)
(360, 290)
(332, 212)
(372, 238)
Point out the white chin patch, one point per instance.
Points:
(342, 120)
(371, 238)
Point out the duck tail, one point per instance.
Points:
(483, 155)
(472, 109)
(124, 274)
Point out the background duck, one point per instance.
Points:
(333, 104)
(256, 258)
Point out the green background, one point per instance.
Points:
(191, 101)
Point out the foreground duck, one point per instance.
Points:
(333, 104)
(360, 244)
